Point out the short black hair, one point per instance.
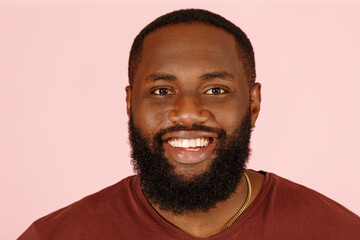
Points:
(245, 48)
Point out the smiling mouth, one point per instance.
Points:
(192, 144)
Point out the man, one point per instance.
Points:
(192, 101)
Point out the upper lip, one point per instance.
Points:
(189, 134)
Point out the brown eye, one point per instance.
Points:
(215, 91)
(162, 91)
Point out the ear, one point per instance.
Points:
(255, 98)
(128, 99)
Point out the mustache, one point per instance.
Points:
(195, 127)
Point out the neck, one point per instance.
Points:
(204, 224)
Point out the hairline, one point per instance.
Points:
(239, 50)
(243, 44)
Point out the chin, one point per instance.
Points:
(190, 171)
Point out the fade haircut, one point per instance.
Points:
(245, 49)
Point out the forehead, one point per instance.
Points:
(192, 46)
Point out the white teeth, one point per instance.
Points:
(193, 149)
(186, 143)
(192, 143)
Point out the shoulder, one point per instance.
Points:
(96, 203)
(287, 191)
(308, 209)
(81, 214)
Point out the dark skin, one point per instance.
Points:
(192, 74)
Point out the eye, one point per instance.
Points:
(162, 91)
(215, 91)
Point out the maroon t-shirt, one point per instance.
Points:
(282, 210)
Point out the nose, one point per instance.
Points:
(188, 110)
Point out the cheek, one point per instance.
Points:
(228, 116)
(149, 118)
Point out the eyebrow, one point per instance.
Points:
(164, 76)
(222, 74)
(160, 76)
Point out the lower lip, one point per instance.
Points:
(189, 155)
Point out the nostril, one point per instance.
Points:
(205, 114)
(188, 110)
(189, 118)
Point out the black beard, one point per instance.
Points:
(172, 192)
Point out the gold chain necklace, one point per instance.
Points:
(241, 210)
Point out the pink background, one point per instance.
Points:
(63, 70)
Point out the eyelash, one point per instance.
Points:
(158, 91)
(222, 91)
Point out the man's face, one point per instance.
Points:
(191, 98)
